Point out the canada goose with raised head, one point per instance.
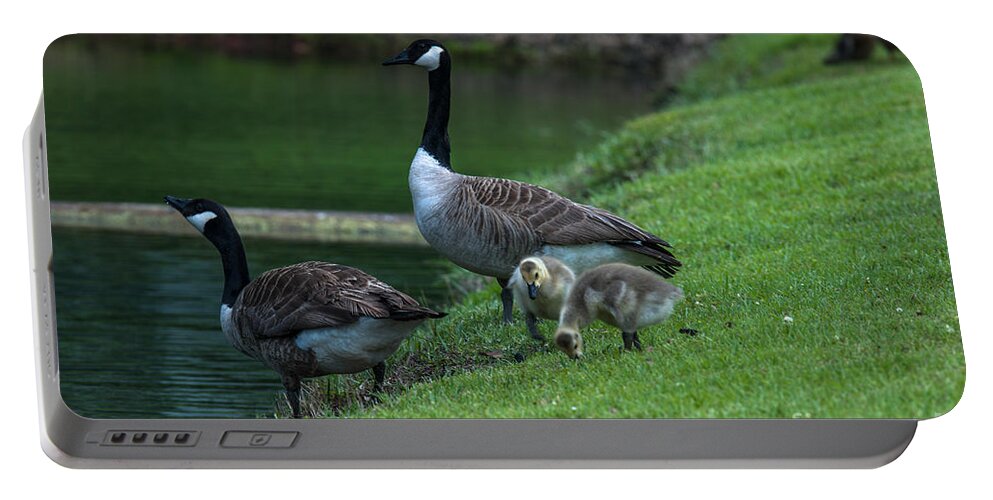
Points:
(487, 225)
(306, 320)
(627, 297)
(540, 285)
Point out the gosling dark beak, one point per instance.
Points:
(401, 58)
(532, 291)
(177, 203)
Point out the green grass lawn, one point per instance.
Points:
(788, 189)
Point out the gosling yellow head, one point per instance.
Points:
(569, 341)
(534, 272)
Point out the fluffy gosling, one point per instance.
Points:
(620, 295)
(540, 286)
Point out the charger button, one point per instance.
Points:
(259, 439)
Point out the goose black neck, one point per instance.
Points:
(232, 251)
(435, 138)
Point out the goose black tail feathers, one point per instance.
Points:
(412, 315)
(667, 263)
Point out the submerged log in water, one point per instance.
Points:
(275, 223)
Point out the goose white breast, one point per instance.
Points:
(487, 225)
(355, 347)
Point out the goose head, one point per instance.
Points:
(207, 216)
(425, 53)
(569, 341)
(534, 272)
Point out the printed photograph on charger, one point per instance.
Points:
(497, 226)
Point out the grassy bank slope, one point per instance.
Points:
(811, 196)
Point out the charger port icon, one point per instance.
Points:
(259, 439)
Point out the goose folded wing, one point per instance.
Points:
(553, 218)
(315, 295)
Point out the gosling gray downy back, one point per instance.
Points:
(624, 296)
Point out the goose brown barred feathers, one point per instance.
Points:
(487, 225)
(508, 210)
(305, 320)
(313, 294)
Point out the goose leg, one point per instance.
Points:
(532, 323)
(292, 385)
(507, 298)
(379, 374)
(631, 340)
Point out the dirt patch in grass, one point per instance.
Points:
(322, 398)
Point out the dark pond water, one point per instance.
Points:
(130, 126)
(139, 333)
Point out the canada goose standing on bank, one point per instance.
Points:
(487, 225)
(540, 286)
(306, 320)
(624, 296)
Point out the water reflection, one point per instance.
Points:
(130, 126)
(138, 329)
(138, 326)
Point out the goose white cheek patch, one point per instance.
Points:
(200, 220)
(431, 59)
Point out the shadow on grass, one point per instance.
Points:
(321, 399)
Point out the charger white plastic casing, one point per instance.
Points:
(76, 441)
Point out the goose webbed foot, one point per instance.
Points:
(532, 323)
(507, 299)
(631, 340)
(292, 385)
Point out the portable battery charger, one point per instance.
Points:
(656, 251)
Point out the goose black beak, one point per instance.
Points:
(532, 291)
(177, 203)
(401, 58)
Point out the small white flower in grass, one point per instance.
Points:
(788, 320)
(899, 309)
(573, 408)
